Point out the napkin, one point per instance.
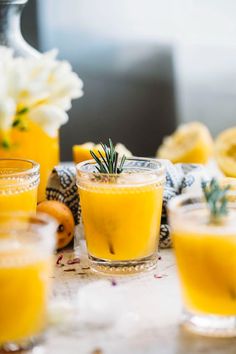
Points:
(180, 178)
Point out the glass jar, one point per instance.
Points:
(34, 144)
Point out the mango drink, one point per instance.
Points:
(25, 270)
(121, 214)
(206, 261)
(34, 144)
(207, 265)
(19, 181)
(24, 289)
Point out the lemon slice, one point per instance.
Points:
(190, 143)
(225, 152)
(82, 152)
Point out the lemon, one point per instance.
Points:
(225, 152)
(190, 143)
(82, 152)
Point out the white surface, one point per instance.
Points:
(92, 312)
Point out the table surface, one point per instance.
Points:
(137, 314)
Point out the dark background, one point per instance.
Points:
(133, 103)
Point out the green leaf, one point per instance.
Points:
(108, 163)
(216, 199)
(23, 111)
(5, 144)
(16, 123)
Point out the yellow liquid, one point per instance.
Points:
(17, 197)
(121, 223)
(34, 144)
(24, 285)
(207, 268)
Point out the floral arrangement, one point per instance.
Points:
(41, 88)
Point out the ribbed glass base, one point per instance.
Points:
(21, 346)
(210, 325)
(123, 267)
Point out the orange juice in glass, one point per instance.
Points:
(26, 248)
(34, 144)
(206, 260)
(19, 181)
(121, 214)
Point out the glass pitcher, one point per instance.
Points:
(33, 143)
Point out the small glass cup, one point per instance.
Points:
(206, 262)
(26, 247)
(19, 180)
(121, 214)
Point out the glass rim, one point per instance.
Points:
(44, 222)
(160, 169)
(181, 211)
(177, 207)
(34, 169)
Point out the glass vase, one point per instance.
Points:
(34, 144)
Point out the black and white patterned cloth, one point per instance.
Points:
(180, 178)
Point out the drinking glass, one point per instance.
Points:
(206, 262)
(26, 246)
(121, 214)
(19, 181)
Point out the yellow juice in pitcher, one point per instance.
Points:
(34, 144)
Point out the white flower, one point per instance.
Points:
(49, 117)
(43, 85)
(7, 112)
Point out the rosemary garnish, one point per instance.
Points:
(216, 198)
(108, 163)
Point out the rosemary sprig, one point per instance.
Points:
(108, 162)
(216, 198)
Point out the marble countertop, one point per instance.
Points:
(137, 314)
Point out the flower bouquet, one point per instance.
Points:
(35, 95)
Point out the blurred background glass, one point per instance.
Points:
(147, 65)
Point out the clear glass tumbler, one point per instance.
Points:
(26, 248)
(206, 261)
(19, 180)
(121, 214)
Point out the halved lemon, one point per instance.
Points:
(225, 152)
(190, 143)
(82, 152)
